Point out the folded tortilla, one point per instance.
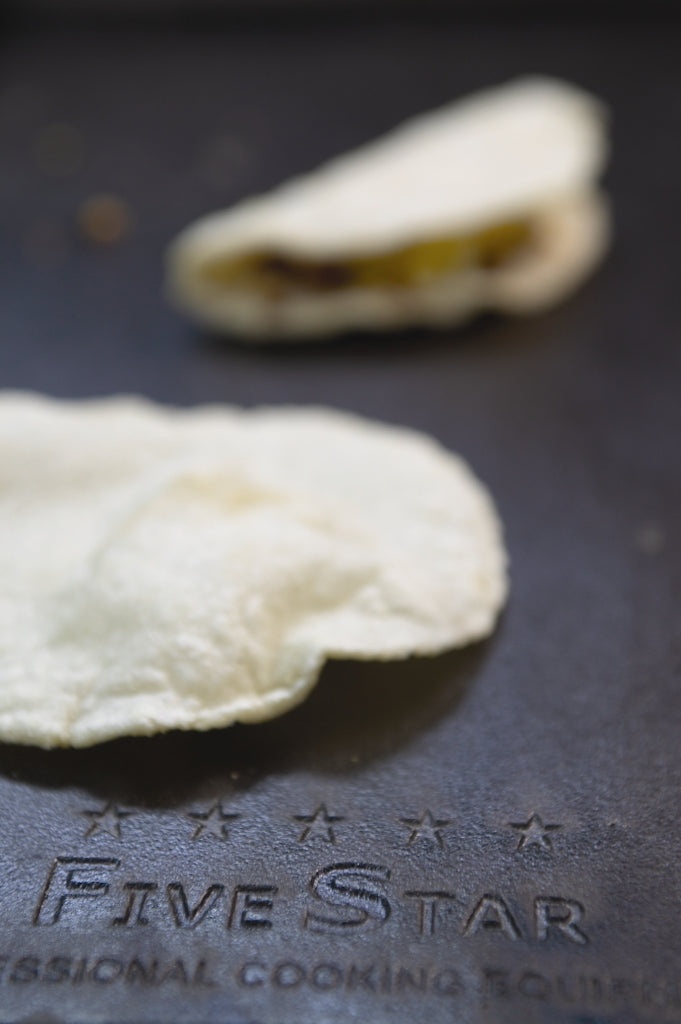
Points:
(488, 203)
(167, 569)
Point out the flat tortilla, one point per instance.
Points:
(167, 569)
(488, 203)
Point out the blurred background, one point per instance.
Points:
(165, 9)
(121, 122)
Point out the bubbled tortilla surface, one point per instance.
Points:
(167, 569)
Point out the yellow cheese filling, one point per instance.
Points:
(413, 265)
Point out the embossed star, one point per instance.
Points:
(534, 833)
(107, 821)
(318, 825)
(213, 822)
(426, 827)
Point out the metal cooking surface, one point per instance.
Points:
(492, 835)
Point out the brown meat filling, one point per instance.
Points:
(413, 265)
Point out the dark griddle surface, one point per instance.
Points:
(570, 712)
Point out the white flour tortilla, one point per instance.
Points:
(530, 151)
(186, 569)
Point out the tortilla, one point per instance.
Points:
(167, 569)
(488, 203)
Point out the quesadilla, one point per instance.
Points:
(490, 203)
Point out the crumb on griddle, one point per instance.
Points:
(105, 219)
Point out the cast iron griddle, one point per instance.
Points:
(492, 835)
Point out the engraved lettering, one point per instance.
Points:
(249, 904)
(593, 989)
(176, 972)
(584, 990)
(186, 916)
(535, 986)
(621, 988)
(427, 908)
(564, 990)
(252, 975)
(447, 983)
(79, 972)
(106, 971)
(134, 911)
(551, 913)
(288, 975)
(671, 995)
(73, 880)
(25, 969)
(326, 977)
(138, 971)
(57, 969)
(580, 992)
(492, 914)
(405, 979)
(496, 983)
(355, 888)
(362, 978)
(647, 993)
(200, 975)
